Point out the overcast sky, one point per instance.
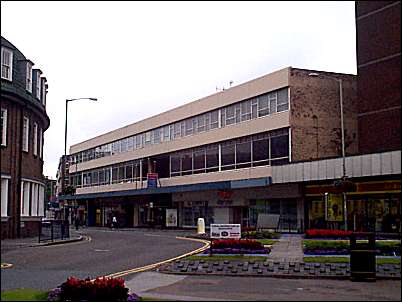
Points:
(143, 58)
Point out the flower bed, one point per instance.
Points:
(324, 233)
(102, 289)
(238, 246)
(342, 247)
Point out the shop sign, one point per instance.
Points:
(171, 217)
(152, 180)
(333, 207)
(225, 231)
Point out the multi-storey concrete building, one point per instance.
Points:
(215, 156)
(23, 123)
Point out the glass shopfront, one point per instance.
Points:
(378, 211)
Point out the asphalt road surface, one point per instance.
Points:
(46, 267)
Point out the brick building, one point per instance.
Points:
(378, 32)
(23, 123)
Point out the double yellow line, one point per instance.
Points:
(155, 265)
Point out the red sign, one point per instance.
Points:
(225, 194)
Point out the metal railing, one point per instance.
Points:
(51, 230)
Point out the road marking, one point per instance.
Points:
(152, 266)
(97, 250)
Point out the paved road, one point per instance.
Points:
(202, 288)
(46, 267)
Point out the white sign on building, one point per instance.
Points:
(171, 217)
(225, 231)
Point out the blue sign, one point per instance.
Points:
(152, 180)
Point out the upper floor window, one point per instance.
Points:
(3, 126)
(29, 76)
(40, 143)
(6, 64)
(35, 139)
(38, 84)
(43, 93)
(25, 134)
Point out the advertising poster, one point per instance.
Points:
(171, 217)
(334, 209)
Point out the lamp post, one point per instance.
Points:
(65, 141)
(339, 81)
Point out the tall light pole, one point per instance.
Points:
(339, 81)
(65, 141)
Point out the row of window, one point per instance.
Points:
(33, 78)
(37, 133)
(260, 106)
(32, 198)
(271, 148)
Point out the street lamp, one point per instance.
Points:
(339, 81)
(65, 139)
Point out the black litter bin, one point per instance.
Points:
(362, 257)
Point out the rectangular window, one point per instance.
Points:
(116, 147)
(6, 64)
(156, 136)
(261, 152)
(38, 84)
(175, 166)
(230, 115)
(201, 123)
(130, 143)
(189, 126)
(199, 160)
(263, 105)
(40, 142)
(3, 126)
(228, 156)
(43, 93)
(243, 154)
(280, 150)
(25, 134)
(166, 133)
(35, 139)
(254, 108)
(148, 138)
(246, 110)
(28, 77)
(129, 172)
(186, 163)
(272, 102)
(212, 158)
(138, 141)
(214, 119)
(283, 103)
(123, 146)
(4, 196)
(177, 130)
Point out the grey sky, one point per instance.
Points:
(143, 58)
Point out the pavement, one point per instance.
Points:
(12, 244)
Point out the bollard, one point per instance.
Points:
(200, 226)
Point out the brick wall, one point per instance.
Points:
(315, 115)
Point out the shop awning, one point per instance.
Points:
(221, 185)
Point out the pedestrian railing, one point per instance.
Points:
(51, 230)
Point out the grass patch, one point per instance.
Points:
(24, 294)
(324, 259)
(267, 241)
(227, 257)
